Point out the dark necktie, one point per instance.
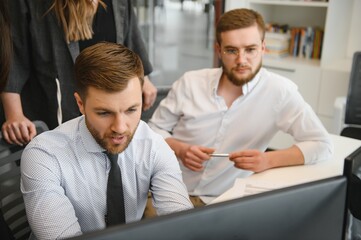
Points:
(115, 198)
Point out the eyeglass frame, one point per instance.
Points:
(237, 52)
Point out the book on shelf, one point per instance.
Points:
(306, 42)
(316, 53)
(309, 42)
(276, 53)
(301, 47)
(277, 44)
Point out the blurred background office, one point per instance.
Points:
(179, 35)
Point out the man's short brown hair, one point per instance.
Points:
(237, 19)
(108, 67)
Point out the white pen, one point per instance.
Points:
(219, 154)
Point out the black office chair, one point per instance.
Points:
(352, 170)
(353, 103)
(13, 216)
(162, 93)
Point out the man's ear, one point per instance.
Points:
(80, 102)
(218, 50)
(263, 49)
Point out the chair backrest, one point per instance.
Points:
(162, 93)
(353, 104)
(11, 200)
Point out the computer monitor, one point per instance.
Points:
(308, 211)
(352, 170)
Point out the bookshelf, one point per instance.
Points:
(322, 80)
(292, 13)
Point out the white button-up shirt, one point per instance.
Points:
(193, 113)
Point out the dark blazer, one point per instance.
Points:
(43, 61)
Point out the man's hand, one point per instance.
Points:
(193, 156)
(257, 161)
(252, 160)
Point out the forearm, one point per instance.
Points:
(285, 157)
(170, 193)
(176, 145)
(11, 104)
(168, 190)
(158, 129)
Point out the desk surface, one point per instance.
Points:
(288, 176)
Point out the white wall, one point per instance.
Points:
(354, 38)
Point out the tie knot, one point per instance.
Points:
(112, 157)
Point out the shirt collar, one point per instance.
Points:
(248, 87)
(215, 81)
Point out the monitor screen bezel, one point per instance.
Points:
(216, 221)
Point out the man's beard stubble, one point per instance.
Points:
(105, 144)
(240, 81)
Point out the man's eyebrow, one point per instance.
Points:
(109, 110)
(102, 109)
(247, 46)
(135, 105)
(252, 45)
(229, 46)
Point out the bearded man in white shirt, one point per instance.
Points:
(237, 109)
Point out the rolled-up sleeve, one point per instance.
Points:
(297, 118)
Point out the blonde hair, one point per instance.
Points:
(76, 17)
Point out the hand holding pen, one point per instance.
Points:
(192, 156)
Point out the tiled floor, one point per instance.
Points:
(181, 41)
